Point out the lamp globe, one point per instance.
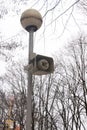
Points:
(31, 19)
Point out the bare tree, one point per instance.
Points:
(59, 99)
(83, 5)
(76, 81)
(15, 79)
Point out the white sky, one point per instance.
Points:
(54, 39)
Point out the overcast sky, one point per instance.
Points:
(50, 38)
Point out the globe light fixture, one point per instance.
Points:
(31, 19)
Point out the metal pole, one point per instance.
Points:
(29, 88)
(31, 21)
